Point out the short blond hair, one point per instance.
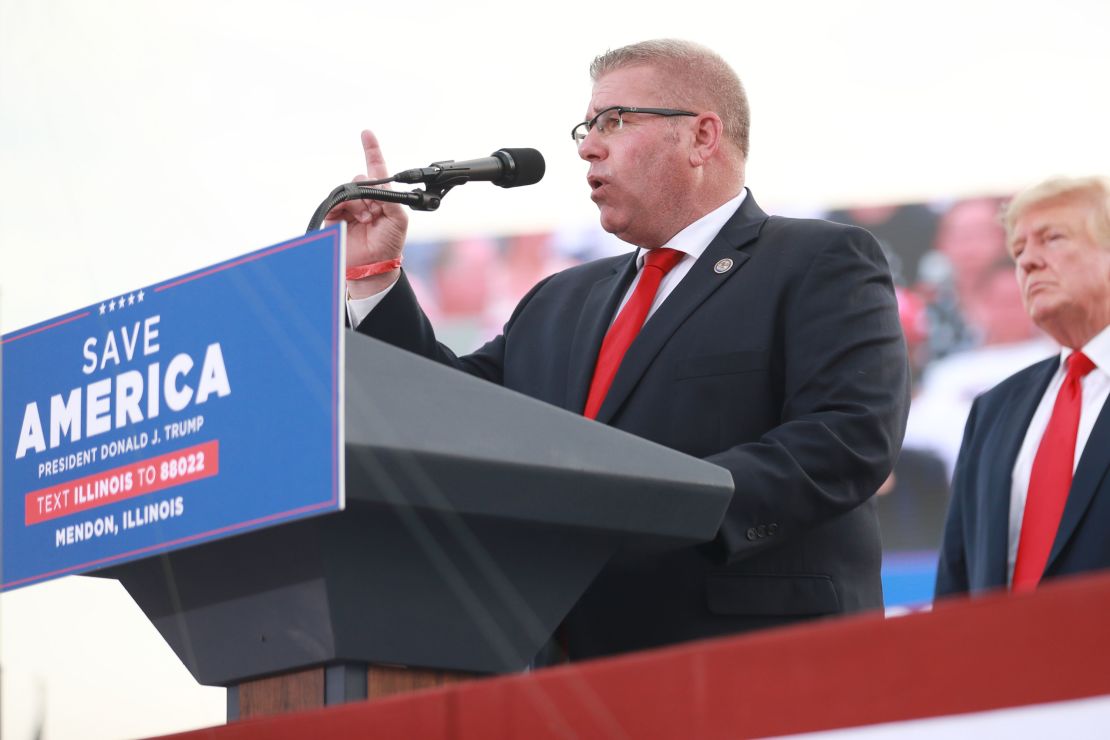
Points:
(703, 80)
(1094, 190)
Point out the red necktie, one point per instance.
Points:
(1051, 478)
(657, 263)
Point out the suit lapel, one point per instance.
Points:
(1089, 474)
(695, 288)
(593, 321)
(1012, 426)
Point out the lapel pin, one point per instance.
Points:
(722, 266)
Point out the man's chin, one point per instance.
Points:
(611, 224)
(622, 228)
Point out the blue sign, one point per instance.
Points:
(199, 408)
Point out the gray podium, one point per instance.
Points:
(475, 518)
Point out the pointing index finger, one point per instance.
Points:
(375, 163)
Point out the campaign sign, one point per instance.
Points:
(199, 408)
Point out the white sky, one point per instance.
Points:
(142, 139)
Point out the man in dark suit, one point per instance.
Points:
(1031, 494)
(772, 347)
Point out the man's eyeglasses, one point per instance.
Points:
(612, 119)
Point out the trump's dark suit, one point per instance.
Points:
(976, 536)
(788, 369)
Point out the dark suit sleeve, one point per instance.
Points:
(400, 321)
(952, 574)
(845, 386)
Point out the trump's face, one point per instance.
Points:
(1063, 270)
(640, 174)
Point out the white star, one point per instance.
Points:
(141, 296)
(102, 309)
(120, 301)
(131, 300)
(112, 305)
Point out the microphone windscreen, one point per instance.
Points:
(528, 167)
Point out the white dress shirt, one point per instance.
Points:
(1096, 389)
(692, 241)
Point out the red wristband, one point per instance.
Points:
(374, 268)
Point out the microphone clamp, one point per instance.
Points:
(419, 174)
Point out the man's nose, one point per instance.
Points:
(592, 147)
(1029, 258)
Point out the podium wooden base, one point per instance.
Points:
(278, 694)
(326, 686)
(382, 681)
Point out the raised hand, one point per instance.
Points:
(375, 230)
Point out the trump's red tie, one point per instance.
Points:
(657, 263)
(1050, 479)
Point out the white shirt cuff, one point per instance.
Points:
(359, 308)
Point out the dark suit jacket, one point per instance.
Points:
(976, 535)
(789, 370)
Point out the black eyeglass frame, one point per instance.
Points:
(621, 110)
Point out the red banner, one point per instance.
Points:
(124, 482)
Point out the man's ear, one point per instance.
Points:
(708, 132)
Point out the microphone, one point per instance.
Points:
(507, 168)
